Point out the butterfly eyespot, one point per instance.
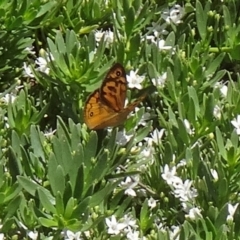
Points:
(118, 73)
(91, 114)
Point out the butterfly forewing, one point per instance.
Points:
(114, 88)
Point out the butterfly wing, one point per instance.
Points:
(114, 88)
(130, 107)
(97, 115)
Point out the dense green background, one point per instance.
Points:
(69, 179)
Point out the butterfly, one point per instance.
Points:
(105, 106)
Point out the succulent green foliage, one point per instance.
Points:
(65, 173)
(58, 176)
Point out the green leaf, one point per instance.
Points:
(81, 208)
(143, 132)
(223, 188)
(102, 194)
(201, 19)
(49, 223)
(59, 204)
(12, 192)
(183, 132)
(193, 95)
(60, 43)
(170, 40)
(32, 187)
(62, 153)
(214, 64)
(220, 143)
(90, 147)
(171, 84)
(129, 23)
(36, 142)
(234, 52)
(15, 165)
(46, 8)
(221, 219)
(16, 143)
(56, 179)
(100, 168)
(145, 219)
(13, 206)
(227, 17)
(46, 202)
(79, 184)
(69, 208)
(28, 184)
(76, 164)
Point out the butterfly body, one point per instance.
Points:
(105, 106)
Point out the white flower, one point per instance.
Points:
(1, 234)
(182, 163)
(106, 2)
(158, 29)
(9, 98)
(161, 45)
(174, 233)
(114, 227)
(157, 135)
(160, 81)
(188, 127)
(108, 36)
(173, 15)
(49, 133)
(87, 234)
(224, 90)
(98, 35)
(169, 175)
(122, 138)
(217, 112)
(27, 71)
(146, 116)
(134, 80)
(22, 225)
(236, 123)
(231, 211)
(30, 50)
(151, 38)
(147, 153)
(129, 185)
(33, 235)
(159, 224)
(185, 192)
(194, 213)
(72, 236)
(42, 63)
(121, 18)
(132, 235)
(214, 174)
(129, 221)
(152, 203)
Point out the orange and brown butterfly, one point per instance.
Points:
(105, 106)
